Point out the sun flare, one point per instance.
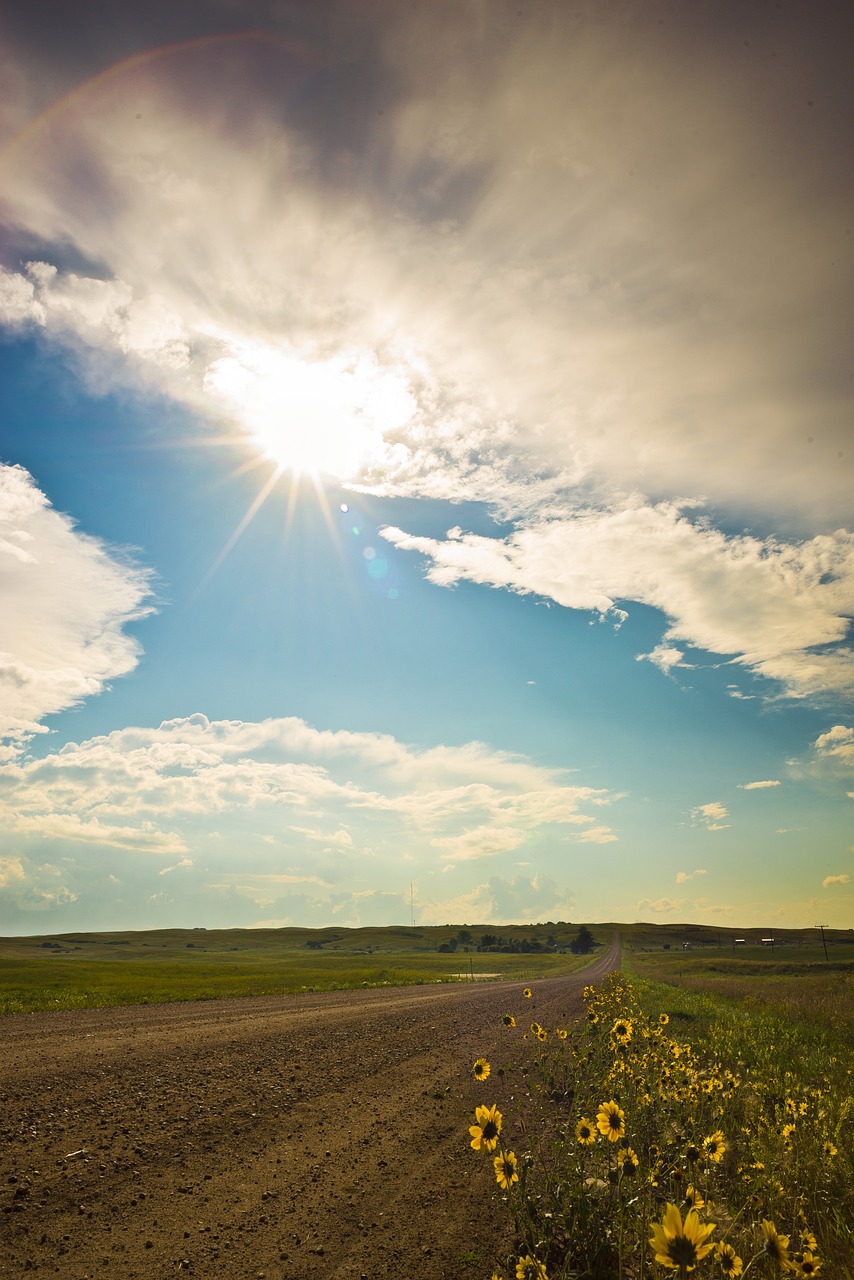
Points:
(317, 417)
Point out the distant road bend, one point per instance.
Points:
(306, 1137)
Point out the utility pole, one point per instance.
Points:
(823, 943)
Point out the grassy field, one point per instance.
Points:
(92, 970)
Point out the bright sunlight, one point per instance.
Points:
(323, 417)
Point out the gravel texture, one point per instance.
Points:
(292, 1138)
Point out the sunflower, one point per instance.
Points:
(788, 1130)
(536, 1028)
(529, 1268)
(505, 1169)
(542, 1034)
(714, 1147)
(609, 1121)
(484, 1134)
(527, 993)
(561, 1034)
(680, 1245)
(628, 1161)
(829, 1150)
(693, 1198)
(663, 1019)
(809, 1264)
(730, 1263)
(508, 1020)
(776, 1246)
(585, 1133)
(481, 1069)
(622, 1030)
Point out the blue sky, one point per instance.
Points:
(425, 465)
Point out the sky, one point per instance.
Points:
(426, 455)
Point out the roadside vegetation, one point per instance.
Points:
(95, 970)
(698, 1119)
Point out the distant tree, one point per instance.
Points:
(583, 942)
(465, 936)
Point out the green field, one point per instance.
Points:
(93, 970)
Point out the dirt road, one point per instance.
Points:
(295, 1138)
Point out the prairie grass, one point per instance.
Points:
(84, 971)
(677, 1128)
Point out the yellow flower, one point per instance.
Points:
(542, 1034)
(693, 1198)
(776, 1246)
(609, 1121)
(622, 1030)
(663, 1019)
(484, 1134)
(809, 1264)
(731, 1264)
(527, 993)
(505, 1169)
(714, 1147)
(680, 1245)
(508, 1020)
(628, 1161)
(536, 1028)
(529, 1268)
(481, 1069)
(585, 1133)
(561, 1034)
(788, 1130)
(829, 1149)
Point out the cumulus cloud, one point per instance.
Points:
(682, 877)
(759, 786)
(836, 746)
(360, 790)
(830, 882)
(67, 601)
(774, 607)
(711, 816)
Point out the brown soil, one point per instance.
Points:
(312, 1137)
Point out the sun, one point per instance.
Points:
(321, 418)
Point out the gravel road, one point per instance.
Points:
(311, 1137)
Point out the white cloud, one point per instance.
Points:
(830, 882)
(759, 786)
(361, 792)
(682, 877)
(711, 816)
(769, 604)
(836, 746)
(93, 833)
(663, 656)
(67, 599)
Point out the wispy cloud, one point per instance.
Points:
(682, 877)
(367, 798)
(759, 786)
(711, 816)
